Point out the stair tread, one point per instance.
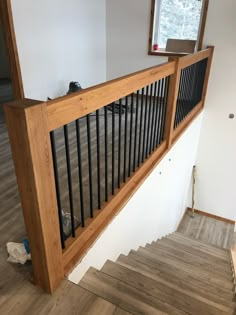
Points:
(195, 270)
(187, 285)
(215, 248)
(192, 259)
(173, 270)
(198, 246)
(187, 248)
(123, 295)
(171, 295)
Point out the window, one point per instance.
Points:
(177, 19)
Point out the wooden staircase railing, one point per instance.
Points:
(170, 96)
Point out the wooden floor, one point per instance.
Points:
(208, 230)
(171, 276)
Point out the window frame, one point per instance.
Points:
(200, 33)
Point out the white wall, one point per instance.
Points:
(4, 66)
(216, 162)
(128, 24)
(155, 209)
(60, 41)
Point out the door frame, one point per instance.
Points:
(6, 18)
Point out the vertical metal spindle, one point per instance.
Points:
(69, 178)
(80, 172)
(98, 159)
(162, 110)
(153, 118)
(131, 134)
(90, 165)
(149, 121)
(119, 143)
(157, 114)
(145, 124)
(106, 153)
(140, 128)
(55, 166)
(160, 113)
(136, 131)
(125, 140)
(113, 150)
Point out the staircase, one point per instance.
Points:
(174, 275)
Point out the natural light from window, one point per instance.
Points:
(178, 19)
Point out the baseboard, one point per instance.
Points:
(212, 216)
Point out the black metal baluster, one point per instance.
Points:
(113, 150)
(119, 142)
(149, 120)
(136, 131)
(98, 159)
(157, 114)
(145, 124)
(153, 118)
(80, 172)
(55, 166)
(131, 134)
(90, 165)
(140, 128)
(106, 153)
(69, 177)
(160, 113)
(162, 110)
(125, 140)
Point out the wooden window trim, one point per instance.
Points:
(200, 35)
(6, 18)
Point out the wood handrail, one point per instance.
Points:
(189, 60)
(63, 110)
(30, 122)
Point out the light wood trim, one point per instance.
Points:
(187, 121)
(203, 24)
(194, 58)
(233, 263)
(212, 216)
(31, 149)
(69, 108)
(77, 248)
(11, 48)
(171, 104)
(163, 53)
(151, 32)
(207, 76)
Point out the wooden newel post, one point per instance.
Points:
(29, 137)
(172, 102)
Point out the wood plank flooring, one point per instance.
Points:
(170, 276)
(208, 230)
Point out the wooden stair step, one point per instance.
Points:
(221, 252)
(194, 260)
(187, 285)
(171, 295)
(175, 271)
(198, 246)
(123, 295)
(188, 268)
(187, 248)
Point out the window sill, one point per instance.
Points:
(164, 53)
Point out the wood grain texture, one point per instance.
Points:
(203, 24)
(209, 229)
(11, 48)
(172, 104)
(66, 109)
(29, 138)
(194, 58)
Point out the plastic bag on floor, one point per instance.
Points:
(17, 253)
(66, 220)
